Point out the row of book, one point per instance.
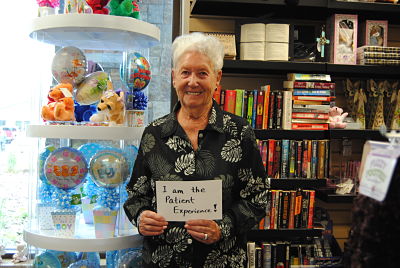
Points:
(295, 159)
(292, 209)
(302, 104)
(284, 254)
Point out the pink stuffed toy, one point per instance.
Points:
(336, 117)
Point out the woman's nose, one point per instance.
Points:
(192, 80)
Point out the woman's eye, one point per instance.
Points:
(203, 73)
(185, 73)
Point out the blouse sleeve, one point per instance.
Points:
(140, 193)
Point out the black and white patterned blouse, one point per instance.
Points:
(227, 151)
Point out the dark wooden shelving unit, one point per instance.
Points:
(295, 183)
(329, 197)
(284, 234)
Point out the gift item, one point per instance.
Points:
(74, 6)
(342, 29)
(390, 102)
(276, 51)
(64, 222)
(374, 33)
(276, 32)
(135, 71)
(135, 118)
(104, 222)
(252, 51)
(44, 216)
(87, 209)
(253, 32)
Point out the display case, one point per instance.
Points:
(81, 168)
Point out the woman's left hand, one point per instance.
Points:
(204, 231)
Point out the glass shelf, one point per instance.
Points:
(95, 31)
(84, 132)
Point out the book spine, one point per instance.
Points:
(285, 210)
(310, 126)
(305, 92)
(277, 209)
(313, 98)
(264, 153)
(250, 99)
(259, 262)
(222, 100)
(292, 204)
(305, 159)
(310, 115)
(267, 90)
(304, 208)
(230, 101)
(279, 110)
(311, 205)
(217, 94)
(287, 110)
(309, 157)
(280, 210)
(299, 157)
(308, 77)
(239, 102)
(245, 103)
(254, 112)
(251, 254)
(273, 209)
(292, 158)
(311, 102)
(267, 255)
(267, 222)
(271, 157)
(260, 109)
(314, 158)
(321, 159)
(326, 159)
(277, 158)
(308, 84)
(297, 209)
(271, 110)
(284, 158)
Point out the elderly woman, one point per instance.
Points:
(197, 141)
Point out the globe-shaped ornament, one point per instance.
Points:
(92, 88)
(109, 168)
(65, 168)
(135, 71)
(69, 65)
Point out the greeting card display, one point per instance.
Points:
(374, 33)
(342, 29)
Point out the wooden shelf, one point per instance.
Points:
(283, 234)
(295, 183)
(335, 198)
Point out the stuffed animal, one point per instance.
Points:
(126, 8)
(98, 6)
(336, 117)
(21, 255)
(59, 105)
(111, 107)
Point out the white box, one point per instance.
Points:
(276, 51)
(277, 32)
(253, 32)
(252, 51)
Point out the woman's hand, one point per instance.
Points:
(204, 231)
(151, 223)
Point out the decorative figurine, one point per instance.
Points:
(321, 42)
(21, 255)
(336, 117)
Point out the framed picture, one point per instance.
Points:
(376, 33)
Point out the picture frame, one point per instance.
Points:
(375, 33)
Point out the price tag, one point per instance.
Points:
(377, 174)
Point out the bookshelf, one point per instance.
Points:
(286, 234)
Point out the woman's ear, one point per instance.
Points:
(173, 77)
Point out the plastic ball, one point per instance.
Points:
(65, 258)
(83, 264)
(46, 260)
(65, 168)
(69, 65)
(135, 72)
(91, 89)
(109, 168)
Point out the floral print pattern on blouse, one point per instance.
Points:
(228, 152)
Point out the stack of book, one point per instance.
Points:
(375, 55)
(313, 95)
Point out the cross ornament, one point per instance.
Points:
(321, 42)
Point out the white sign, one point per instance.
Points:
(377, 174)
(185, 200)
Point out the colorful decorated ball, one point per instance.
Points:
(42, 158)
(135, 72)
(130, 259)
(69, 65)
(46, 260)
(65, 168)
(91, 89)
(109, 168)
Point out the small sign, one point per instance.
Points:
(377, 174)
(185, 200)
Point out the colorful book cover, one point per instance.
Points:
(264, 153)
(304, 208)
(297, 209)
(299, 157)
(306, 115)
(305, 92)
(277, 158)
(267, 91)
(314, 98)
(291, 209)
(271, 110)
(311, 205)
(287, 110)
(285, 209)
(260, 109)
(284, 158)
(222, 99)
(314, 158)
(239, 102)
(270, 160)
(309, 85)
(250, 99)
(310, 126)
(230, 100)
(254, 112)
(292, 158)
(278, 109)
(321, 159)
(308, 77)
(244, 105)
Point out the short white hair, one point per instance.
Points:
(207, 45)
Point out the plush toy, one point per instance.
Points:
(111, 107)
(21, 255)
(98, 6)
(126, 8)
(61, 105)
(336, 117)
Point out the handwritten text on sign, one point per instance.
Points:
(184, 200)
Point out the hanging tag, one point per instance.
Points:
(377, 174)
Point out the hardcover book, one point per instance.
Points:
(308, 77)
(230, 100)
(267, 90)
(308, 85)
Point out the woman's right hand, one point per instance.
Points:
(151, 223)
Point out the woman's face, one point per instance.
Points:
(195, 80)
